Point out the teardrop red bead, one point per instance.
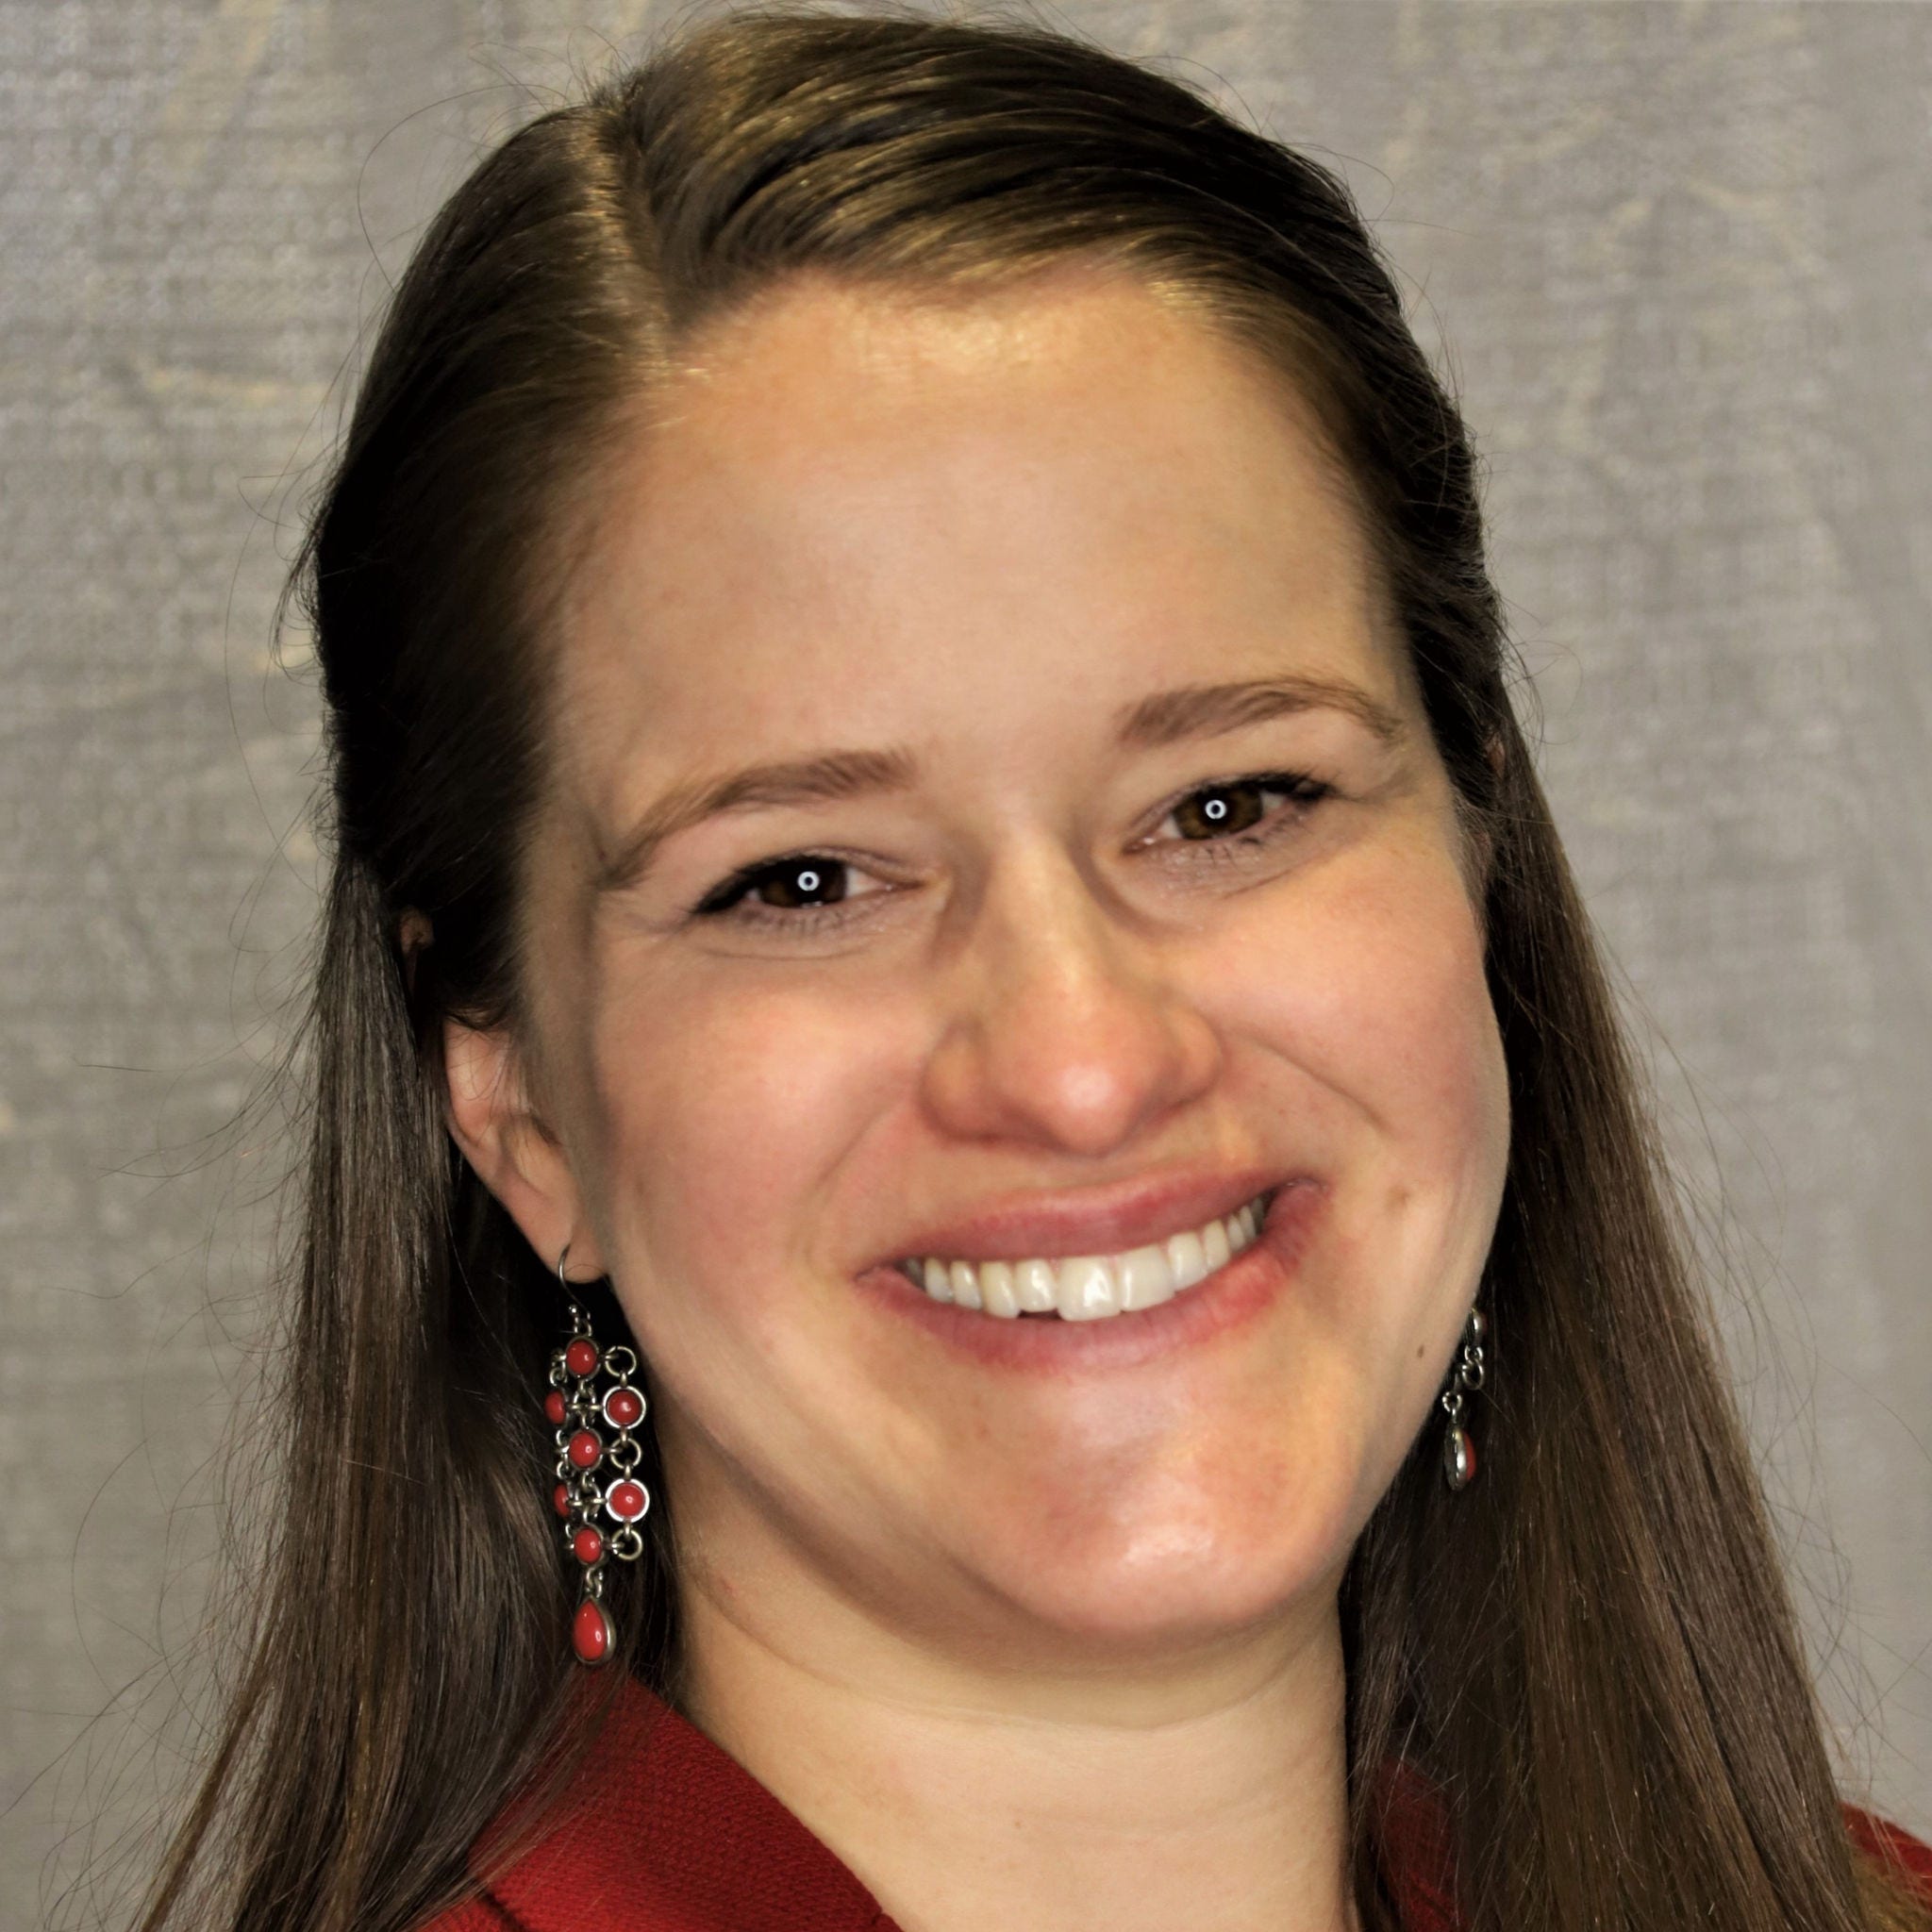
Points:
(590, 1632)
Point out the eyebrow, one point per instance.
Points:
(1205, 710)
(1168, 717)
(787, 781)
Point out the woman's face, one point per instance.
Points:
(995, 821)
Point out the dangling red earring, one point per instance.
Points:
(595, 1474)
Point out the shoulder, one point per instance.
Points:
(657, 1829)
(1889, 1846)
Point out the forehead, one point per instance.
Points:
(851, 504)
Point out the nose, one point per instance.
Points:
(1061, 1028)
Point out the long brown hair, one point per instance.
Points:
(1590, 1652)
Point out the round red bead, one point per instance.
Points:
(623, 1408)
(585, 1449)
(560, 1499)
(581, 1358)
(555, 1407)
(587, 1546)
(627, 1500)
(590, 1634)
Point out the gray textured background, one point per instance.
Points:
(1676, 254)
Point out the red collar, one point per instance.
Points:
(663, 1831)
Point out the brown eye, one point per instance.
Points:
(803, 883)
(1222, 808)
(794, 884)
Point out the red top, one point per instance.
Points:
(675, 1836)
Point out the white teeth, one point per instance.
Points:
(1214, 1245)
(1090, 1287)
(1035, 1289)
(1146, 1278)
(996, 1287)
(1186, 1259)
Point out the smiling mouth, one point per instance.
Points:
(1092, 1287)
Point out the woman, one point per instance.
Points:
(951, 1032)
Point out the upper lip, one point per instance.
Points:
(1092, 1221)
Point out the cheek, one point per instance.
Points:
(1370, 985)
(721, 1129)
(1363, 1014)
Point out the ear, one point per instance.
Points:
(517, 1157)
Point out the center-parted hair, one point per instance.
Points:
(1590, 1653)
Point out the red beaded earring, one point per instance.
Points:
(595, 1475)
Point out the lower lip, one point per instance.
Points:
(1235, 1294)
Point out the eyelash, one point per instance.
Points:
(728, 899)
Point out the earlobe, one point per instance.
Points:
(514, 1153)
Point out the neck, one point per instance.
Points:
(1205, 1789)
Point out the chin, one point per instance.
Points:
(1172, 1611)
(1181, 1580)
